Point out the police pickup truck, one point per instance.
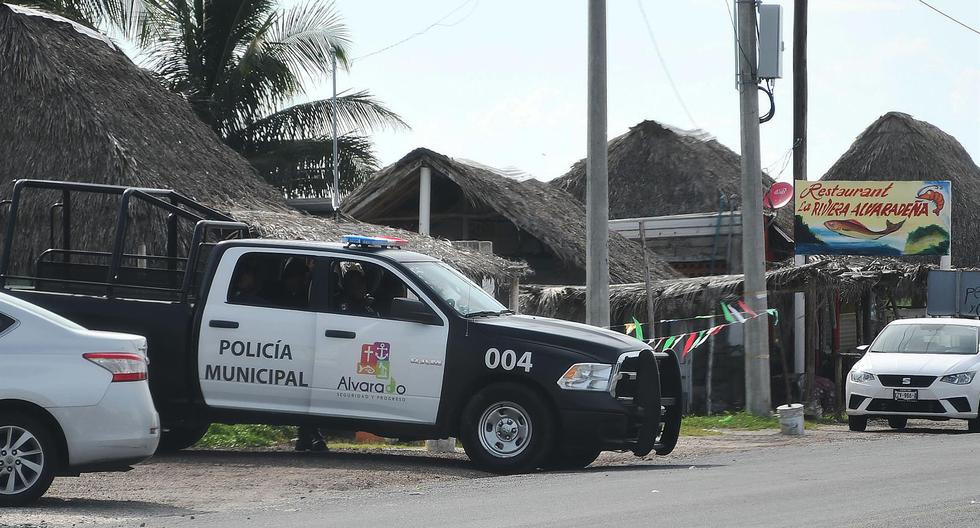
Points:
(355, 335)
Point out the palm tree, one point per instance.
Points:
(242, 64)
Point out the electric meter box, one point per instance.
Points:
(770, 42)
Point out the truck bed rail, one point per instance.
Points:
(171, 276)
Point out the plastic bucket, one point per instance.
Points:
(790, 419)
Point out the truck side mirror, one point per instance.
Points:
(413, 311)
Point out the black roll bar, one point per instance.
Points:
(177, 205)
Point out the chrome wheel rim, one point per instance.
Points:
(505, 429)
(21, 460)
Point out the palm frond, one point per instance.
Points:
(305, 36)
(303, 167)
(357, 111)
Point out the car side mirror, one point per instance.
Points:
(413, 311)
(861, 349)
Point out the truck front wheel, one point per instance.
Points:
(507, 428)
(176, 438)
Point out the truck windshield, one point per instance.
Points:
(456, 290)
(927, 339)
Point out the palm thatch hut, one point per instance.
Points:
(527, 220)
(76, 108)
(898, 147)
(656, 170)
(713, 374)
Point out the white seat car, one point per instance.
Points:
(71, 400)
(917, 368)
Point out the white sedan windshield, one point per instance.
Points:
(455, 289)
(927, 339)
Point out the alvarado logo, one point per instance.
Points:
(374, 361)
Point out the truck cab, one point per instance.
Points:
(362, 334)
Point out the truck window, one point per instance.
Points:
(276, 280)
(364, 289)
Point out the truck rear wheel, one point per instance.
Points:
(174, 439)
(507, 428)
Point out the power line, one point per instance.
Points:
(663, 64)
(437, 23)
(735, 31)
(923, 2)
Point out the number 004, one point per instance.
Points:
(507, 360)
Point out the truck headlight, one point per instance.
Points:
(859, 376)
(963, 378)
(586, 376)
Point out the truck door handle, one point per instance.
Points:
(217, 323)
(342, 334)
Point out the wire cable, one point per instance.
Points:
(923, 2)
(437, 23)
(737, 43)
(663, 64)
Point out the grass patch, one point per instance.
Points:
(246, 435)
(740, 421)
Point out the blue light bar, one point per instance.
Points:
(376, 241)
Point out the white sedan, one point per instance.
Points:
(917, 368)
(71, 400)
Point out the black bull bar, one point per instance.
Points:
(658, 402)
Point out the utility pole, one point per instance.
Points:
(799, 168)
(597, 175)
(758, 400)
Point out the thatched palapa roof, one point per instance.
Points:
(76, 108)
(689, 296)
(548, 214)
(897, 147)
(659, 170)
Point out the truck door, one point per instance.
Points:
(381, 347)
(256, 348)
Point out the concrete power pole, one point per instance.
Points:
(799, 167)
(597, 175)
(758, 400)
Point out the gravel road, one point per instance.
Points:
(196, 482)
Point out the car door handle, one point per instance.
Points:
(342, 334)
(217, 323)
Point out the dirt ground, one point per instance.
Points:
(204, 481)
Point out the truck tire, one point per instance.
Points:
(28, 458)
(857, 423)
(507, 428)
(566, 457)
(173, 439)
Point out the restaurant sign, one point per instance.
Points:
(872, 218)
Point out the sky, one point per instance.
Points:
(503, 82)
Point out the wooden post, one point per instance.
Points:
(711, 364)
(651, 322)
(811, 344)
(515, 294)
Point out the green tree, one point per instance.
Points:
(242, 65)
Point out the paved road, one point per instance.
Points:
(905, 480)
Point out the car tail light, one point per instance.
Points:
(123, 366)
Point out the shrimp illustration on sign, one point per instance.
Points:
(932, 193)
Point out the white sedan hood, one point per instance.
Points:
(923, 364)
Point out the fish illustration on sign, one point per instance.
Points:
(931, 193)
(855, 229)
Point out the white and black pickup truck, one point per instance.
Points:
(358, 335)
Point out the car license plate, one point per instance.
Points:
(906, 394)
